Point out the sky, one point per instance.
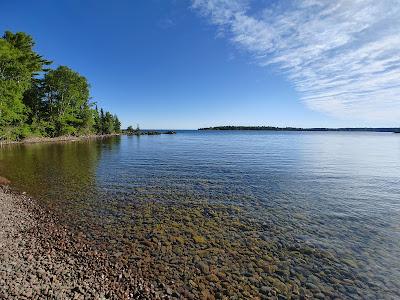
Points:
(186, 64)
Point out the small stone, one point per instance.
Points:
(277, 284)
(199, 239)
(28, 293)
(213, 278)
(192, 283)
(203, 267)
(265, 290)
(312, 286)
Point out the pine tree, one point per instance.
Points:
(102, 122)
(55, 104)
(19, 66)
(108, 123)
(96, 120)
(117, 124)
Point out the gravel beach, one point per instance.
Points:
(39, 259)
(59, 139)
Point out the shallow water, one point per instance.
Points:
(235, 214)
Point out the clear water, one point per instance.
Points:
(325, 207)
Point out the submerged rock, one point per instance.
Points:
(199, 239)
(203, 267)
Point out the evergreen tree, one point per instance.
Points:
(108, 123)
(117, 124)
(55, 104)
(102, 122)
(37, 110)
(87, 119)
(19, 65)
(96, 117)
(130, 130)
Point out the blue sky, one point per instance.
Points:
(188, 64)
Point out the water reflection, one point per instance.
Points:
(62, 175)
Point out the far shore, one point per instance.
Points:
(65, 138)
(274, 128)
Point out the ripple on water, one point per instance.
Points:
(245, 214)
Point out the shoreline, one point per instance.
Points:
(299, 129)
(39, 257)
(65, 138)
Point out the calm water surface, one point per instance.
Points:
(235, 214)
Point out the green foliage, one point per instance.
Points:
(108, 123)
(66, 95)
(102, 121)
(96, 121)
(55, 104)
(19, 65)
(130, 130)
(117, 124)
(34, 62)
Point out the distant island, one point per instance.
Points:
(272, 128)
(138, 132)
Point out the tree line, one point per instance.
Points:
(38, 101)
(272, 128)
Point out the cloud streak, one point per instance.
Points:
(343, 57)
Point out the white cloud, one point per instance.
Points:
(342, 56)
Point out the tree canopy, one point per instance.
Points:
(37, 101)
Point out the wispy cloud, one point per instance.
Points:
(166, 23)
(342, 56)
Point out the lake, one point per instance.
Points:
(235, 213)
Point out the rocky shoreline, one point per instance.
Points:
(66, 138)
(39, 258)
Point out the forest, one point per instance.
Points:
(38, 101)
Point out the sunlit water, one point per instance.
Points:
(320, 211)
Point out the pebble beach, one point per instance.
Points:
(39, 259)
